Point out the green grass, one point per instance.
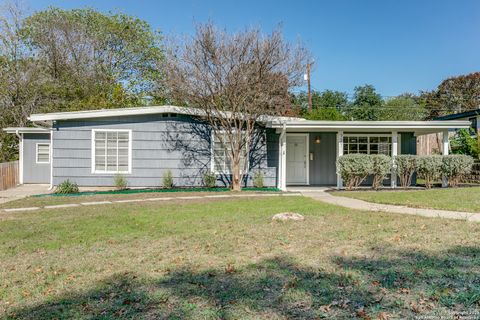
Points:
(226, 259)
(456, 199)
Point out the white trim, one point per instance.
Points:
(394, 150)
(339, 154)
(446, 146)
(283, 155)
(26, 130)
(20, 158)
(307, 160)
(99, 172)
(362, 125)
(51, 159)
(36, 152)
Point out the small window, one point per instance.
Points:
(367, 144)
(111, 151)
(221, 156)
(43, 152)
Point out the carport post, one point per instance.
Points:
(339, 154)
(446, 146)
(393, 176)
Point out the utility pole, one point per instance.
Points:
(309, 88)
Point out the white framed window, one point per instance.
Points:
(221, 162)
(43, 153)
(367, 144)
(111, 151)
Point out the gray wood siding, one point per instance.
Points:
(34, 172)
(323, 165)
(181, 145)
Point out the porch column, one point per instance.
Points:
(339, 154)
(446, 146)
(393, 177)
(282, 181)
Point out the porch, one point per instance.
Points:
(308, 150)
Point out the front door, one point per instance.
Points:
(297, 159)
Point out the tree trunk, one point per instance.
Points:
(236, 183)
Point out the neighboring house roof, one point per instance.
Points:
(46, 118)
(461, 115)
(25, 130)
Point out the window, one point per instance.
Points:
(221, 155)
(367, 144)
(111, 151)
(43, 152)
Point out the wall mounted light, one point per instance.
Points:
(317, 140)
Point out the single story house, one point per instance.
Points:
(91, 147)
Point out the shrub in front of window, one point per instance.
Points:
(258, 179)
(120, 182)
(455, 167)
(429, 168)
(66, 187)
(168, 180)
(354, 168)
(405, 168)
(209, 180)
(382, 166)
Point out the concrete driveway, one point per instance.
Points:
(22, 191)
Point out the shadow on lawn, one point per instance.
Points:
(398, 283)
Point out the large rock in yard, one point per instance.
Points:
(286, 216)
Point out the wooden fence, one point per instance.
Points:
(8, 175)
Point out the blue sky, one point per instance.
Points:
(397, 46)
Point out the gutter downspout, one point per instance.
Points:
(20, 156)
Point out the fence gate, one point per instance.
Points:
(8, 175)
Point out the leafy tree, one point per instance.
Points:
(326, 105)
(235, 79)
(464, 143)
(403, 107)
(366, 105)
(453, 95)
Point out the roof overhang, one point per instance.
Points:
(48, 118)
(419, 127)
(26, 130)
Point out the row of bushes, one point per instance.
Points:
(209, 181)
(355, 168)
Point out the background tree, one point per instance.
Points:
(326, 105)
(235, 79)
(453, 95)
(403, 108)
(366, 105)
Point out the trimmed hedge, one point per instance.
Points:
(382, 166)
(405, 167)
(455, 167)
(429, 168)
(354, 168)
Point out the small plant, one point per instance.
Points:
(405, 167)
(209, 180)
(429, 168)
(354, 168)
(455, 167)
(66, 187)
(120, 182)
(168, 180)
(258, 179)
(382, 166)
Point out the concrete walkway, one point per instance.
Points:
(22, 191)
(321, 195)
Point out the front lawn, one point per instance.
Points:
(456, 199)
(226, 259)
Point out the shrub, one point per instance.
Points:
(382, 166)
(455, 167)
(429, 168)
(258, 179)
(209, 180)
(405, 168)
(120, 182)
(354, 168)
(168, 180)
(66, 187)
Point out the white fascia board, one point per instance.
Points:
(371, 125)
(87, 114)
(25, 130)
